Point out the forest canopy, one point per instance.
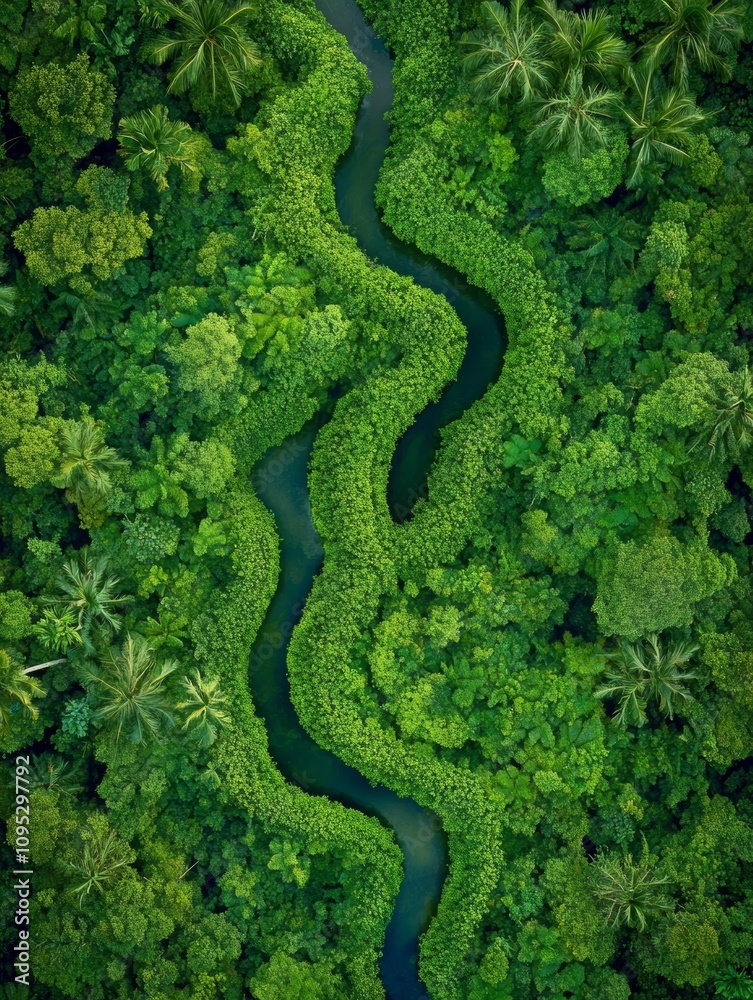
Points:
(544, 643)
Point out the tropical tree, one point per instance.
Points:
(86, 460)
(662, 122)
(149, 139)
(55, 773)
(17, 689)
(630, 894)
(505, 54)
(85, 588)
(644, 671)
(98, 863)
(728, 428)
(129, 685)
(608, 242)
(209, 44)
(57, 630)
(7, 293)
(574, 120)
(733, 985)
(204, 702)
(584, 44)
(695, 33)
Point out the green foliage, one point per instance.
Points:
(64, 108)
(87, 590)
(76, 717)
(129, 690)
(644, 671)
(506, 54)
(80, 248)
(209, 44)
(203, 704)
(629, 893)
(98, 863)
(151, 140)
(651, 586)
(733, 985)
(17, 690)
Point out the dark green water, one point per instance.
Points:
(280, 480)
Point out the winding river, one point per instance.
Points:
(280, 480)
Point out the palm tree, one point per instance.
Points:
(643, 671)
(99, 862)
(55, 773)
(205, 700)
(57, 630)
(575, 120)
(149, 139)
(733, 985)
(696, 33)
(130, 686)
(95, 312)
(18, 689)
(728, 428)
(662, 123)
(505, 54)
(86, 460)
(608, 241)
(630, 894)
(7, 293)
(85, 588)
(584, 43)
(209, 43)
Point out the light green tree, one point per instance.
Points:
(63, 107)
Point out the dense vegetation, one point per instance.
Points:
(554, 653)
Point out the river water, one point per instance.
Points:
(280, 480)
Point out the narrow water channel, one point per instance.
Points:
(281, 482)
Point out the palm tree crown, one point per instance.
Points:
(629, 892)
(695, 33)
(86, 459)
(209, 43)
(7, 293)
(149, 139)
(643, 671)
(205, 701)
(130, 687)
(729, 426)
(505, 55)
(17, 690)
(662, 120)
(575, 119)
(86, 589)
(584, 43)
